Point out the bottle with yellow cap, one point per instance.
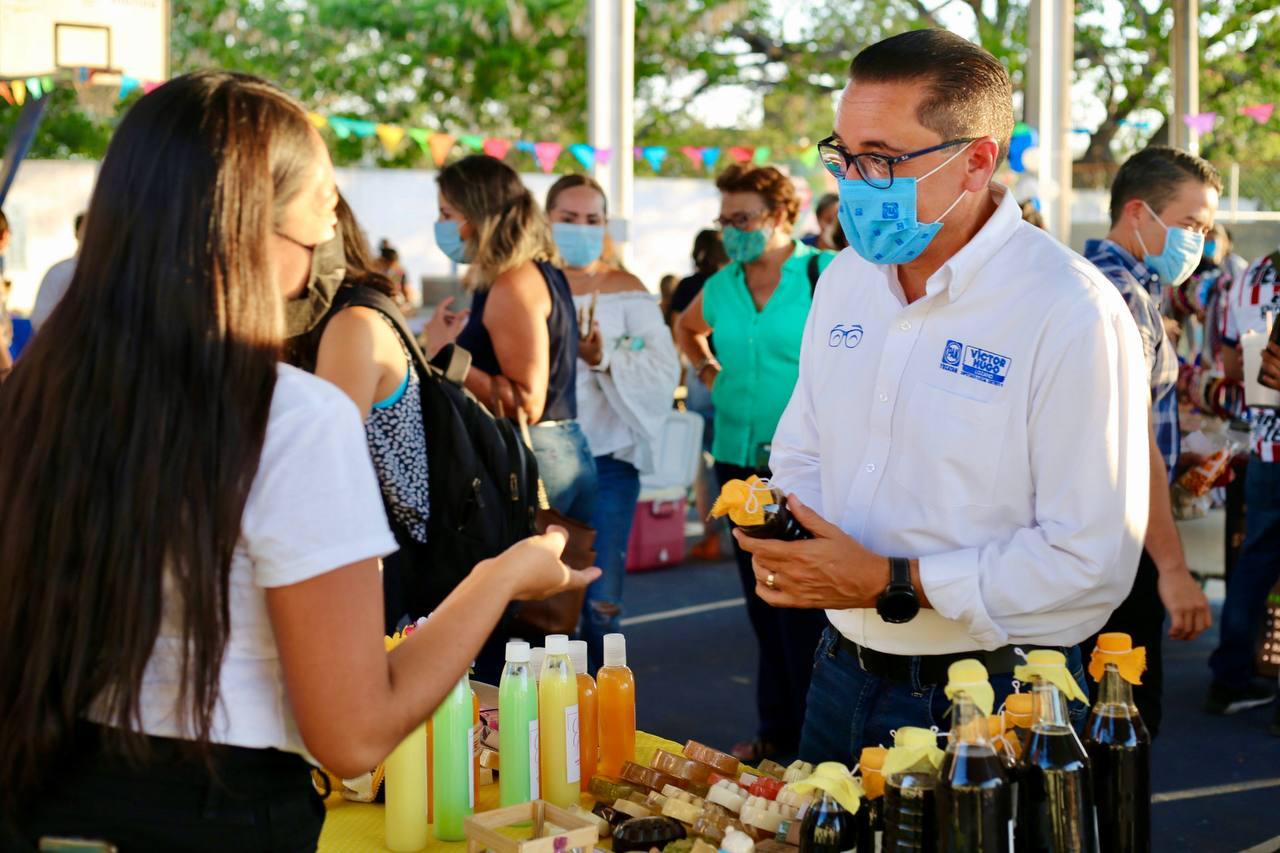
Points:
(833, 823)
(759, 508)
(911, 778)
(1055, 796)
(1119, 747)
(975, 810)
(872, 763)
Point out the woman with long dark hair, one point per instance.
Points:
(190, 531)
(523, 331)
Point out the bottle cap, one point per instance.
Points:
(557, 644)
(578, 656)
(912, 737)
(517, 652)
(1019, 708)
(615, 650)
(1115, 642)
(872, 757)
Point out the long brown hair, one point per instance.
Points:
(510, 228)
(134, 424)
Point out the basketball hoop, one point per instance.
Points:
(98, 95)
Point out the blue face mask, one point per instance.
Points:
(881, 225)
(579, 245)
(1210, 249)
(1182, 251)
(450, 241)
(744, 246)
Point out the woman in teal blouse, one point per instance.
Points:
(754, 311)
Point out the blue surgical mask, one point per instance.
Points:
(579, 245)
(744, 246)
(450, 241)
(1182, 251)
(881, 225)
(1210, 249)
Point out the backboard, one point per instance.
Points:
(49, 37)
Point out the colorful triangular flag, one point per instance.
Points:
(34, 87)
(584, 154)
(127, 85)
(525, 146)
(604, 155)
(151, 85)
(390, 135)
(654, 155)
(694, 153)
(710, 156)
(472, 141)
(742, 153)
(1200, 122)
(5, 92)
(19, 91)
(341, 126)
(809, 156)
(1261, 113)
(762, 155)
(441, 144)
(363, 129)
(547, 154)
(497, 148)
(317, 121)
(421, 136)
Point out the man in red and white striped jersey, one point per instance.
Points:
(1251, 304)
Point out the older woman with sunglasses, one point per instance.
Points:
(755, 310)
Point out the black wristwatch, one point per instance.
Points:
(898, 603)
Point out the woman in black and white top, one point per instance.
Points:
(189, 531)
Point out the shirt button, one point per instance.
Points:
(884, 398)
(905, 326)
(871, 467)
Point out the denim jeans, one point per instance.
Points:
(849, 708)
(786, 639)
(1255, 573)
(567, 468)
(617, 491)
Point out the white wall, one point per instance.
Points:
(41, 208)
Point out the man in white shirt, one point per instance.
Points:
(55, 282)
(971, 413)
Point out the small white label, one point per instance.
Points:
(879, 839)
(535, 753)
(473, 738)
(1010, 835)
(572, 746)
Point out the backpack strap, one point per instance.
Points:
(454, 362)
(814, 272)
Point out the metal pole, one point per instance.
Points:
(1054, 38)
(610, 111)
(1064, 76)
(1185, 64)
(623, 189)
(600, 85)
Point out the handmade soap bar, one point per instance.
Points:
(798, 771)
(766, 787)
(712, 825)
(600, 823)
(721, 761)
(765, 816)
(614, 818)
(629, 808)
(680, 766)
(654, 780)
(728, 794)
(797, 801)
(772, 768)
(747, 779)
(736, 841)
(643, 833)
(606, 789)
(655, 801)
(673, 793)
(686, 813)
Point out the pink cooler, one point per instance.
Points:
(657, 531)
(657, 534)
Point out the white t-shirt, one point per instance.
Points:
(52, 288)
(314, 506)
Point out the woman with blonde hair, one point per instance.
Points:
(523, 332)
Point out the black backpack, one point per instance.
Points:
(483, 479)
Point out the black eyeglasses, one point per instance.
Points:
(875, 169)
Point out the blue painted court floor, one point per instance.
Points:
(1216, 779)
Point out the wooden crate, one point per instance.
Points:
(483, 831)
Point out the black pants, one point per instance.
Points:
(263, 801)
(787, 640)
(1141, 616)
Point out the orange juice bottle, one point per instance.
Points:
(588, 719)
(616, 696)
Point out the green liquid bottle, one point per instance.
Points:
(452, 768)
(518, 728)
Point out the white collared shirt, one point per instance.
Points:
(995, 428)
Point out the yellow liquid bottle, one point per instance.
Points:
(558, 725)
(588, 719)
(616, 699)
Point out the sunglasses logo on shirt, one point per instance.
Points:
(846, 336)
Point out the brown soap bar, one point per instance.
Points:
(642, 833)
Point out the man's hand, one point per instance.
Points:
(1270, 373)
(1188, 608)
(831, 571)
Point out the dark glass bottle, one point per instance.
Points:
(828, 827)
(910, 819)
(1055, 796)
(1119, 750)
(974, 796)
(871, 830)
(779, 523)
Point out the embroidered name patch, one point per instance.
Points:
(976, 363)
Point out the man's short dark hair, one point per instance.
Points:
(969, 90)
(828, 201)
(1154, 175)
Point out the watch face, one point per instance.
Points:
(898, 605)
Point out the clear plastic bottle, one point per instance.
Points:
(558, 724)
(452, 766)
(518, 729)
(973, 798)
(588, 714)
(1119, 748)
(616, 695)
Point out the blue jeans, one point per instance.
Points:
(567, 468)
(849, 708)
(1255, 573)
(616, 495)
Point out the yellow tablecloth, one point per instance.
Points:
(358, 827)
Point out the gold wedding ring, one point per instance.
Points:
(770, 579)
